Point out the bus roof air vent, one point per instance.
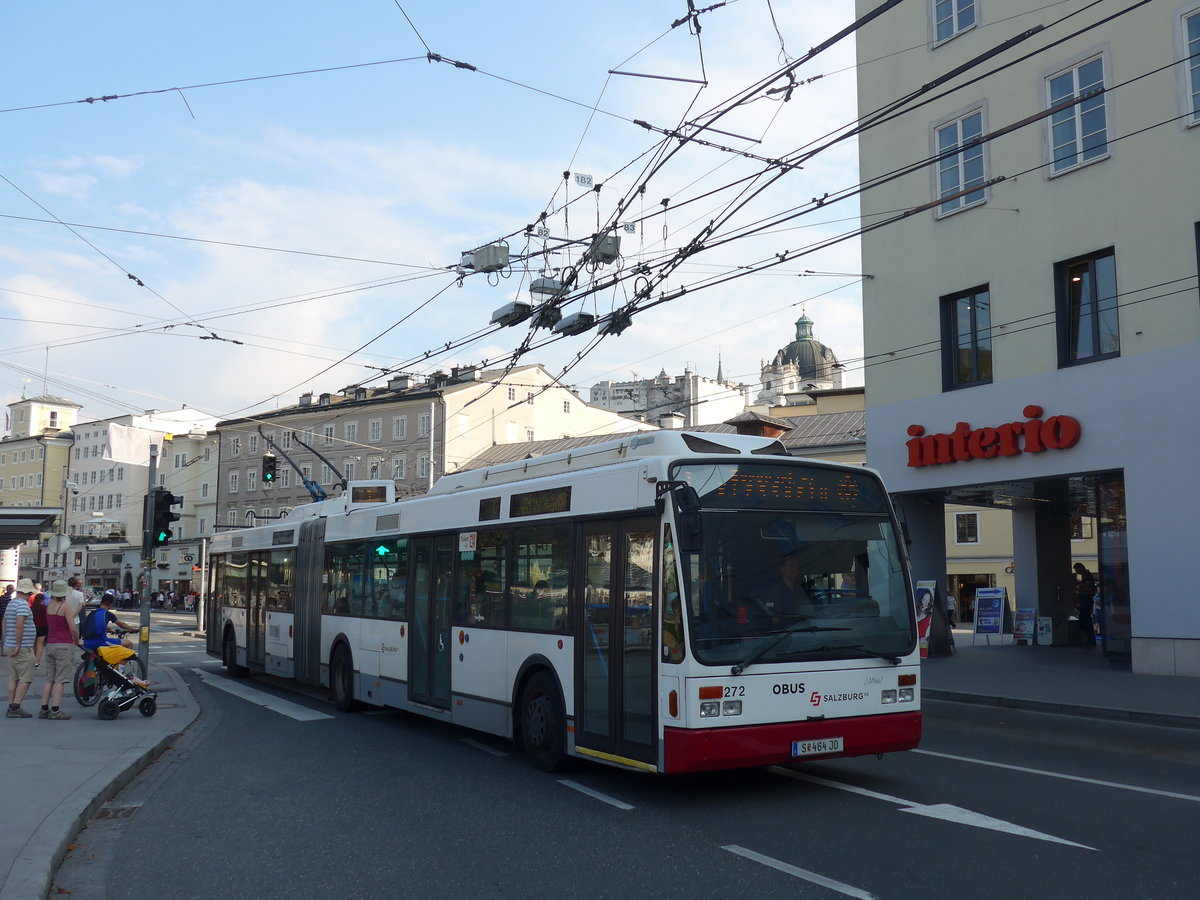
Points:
(775, 448)
(697, 444)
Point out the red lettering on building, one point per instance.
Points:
(965, 443)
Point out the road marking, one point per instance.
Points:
(275, 704)
(1094, 781)
(944, 811)
(478, 745)
(604, 798)
(796, 871)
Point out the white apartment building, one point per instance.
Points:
(1050, 262)
(104, 511)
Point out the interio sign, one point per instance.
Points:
(965, 443)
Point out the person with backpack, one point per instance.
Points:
(94, 627)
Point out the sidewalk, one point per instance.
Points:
(1077, 681)
(57, 774)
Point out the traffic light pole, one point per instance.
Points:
(147, 559)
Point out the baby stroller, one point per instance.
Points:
(114, 678)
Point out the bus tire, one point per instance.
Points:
(542, 723)
(229, 657)
(341, 678)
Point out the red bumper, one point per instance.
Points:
(764, 745)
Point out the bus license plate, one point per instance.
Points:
(818, 747)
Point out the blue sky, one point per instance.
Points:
(377, 177)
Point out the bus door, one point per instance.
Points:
(616, 690)
(429, 641)
(256, 612)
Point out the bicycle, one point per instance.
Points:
(93, 676)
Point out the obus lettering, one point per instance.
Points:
(965, 443)
(794, 688)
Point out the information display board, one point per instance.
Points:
(989, 610)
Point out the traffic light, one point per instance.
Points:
(160, 532)
(270, 465)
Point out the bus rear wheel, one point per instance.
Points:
(543, 731)
(341, 679)
(229, 657)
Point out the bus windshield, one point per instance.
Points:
(797, 563)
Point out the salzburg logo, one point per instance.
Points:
(815, 698)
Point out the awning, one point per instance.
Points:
(19, 524)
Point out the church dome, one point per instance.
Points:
(812, 360)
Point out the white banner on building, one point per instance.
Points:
(130, 445)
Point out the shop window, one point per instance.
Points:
(1081, 528)
(966, 528)
(1086, 300)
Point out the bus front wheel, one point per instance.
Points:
(543, 732)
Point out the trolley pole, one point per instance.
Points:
(147, 559)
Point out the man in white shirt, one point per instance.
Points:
(75, 597)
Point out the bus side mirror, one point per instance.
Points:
(687, 517)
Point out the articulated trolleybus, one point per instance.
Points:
(668, 602)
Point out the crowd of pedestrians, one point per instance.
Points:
(40, 632)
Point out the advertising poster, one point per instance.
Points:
(926, 597)
(1024, 627)
(989, 610)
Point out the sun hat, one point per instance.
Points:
(59, 589)
(25, 586)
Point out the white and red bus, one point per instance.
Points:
(623, 602)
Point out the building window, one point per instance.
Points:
(1079, 132)
(348, 468)
(351, 432)
(252, 479)
(966, 528)
(326, 474)
(285, 440)
(327, 435)
(252, 443)
(423, 467)
(967, 339)
(233, 482)
(529, 434)
(203, 526)
(203, 490)
(1081, 528)
(249, 518)
(423, 424)
(399, 427)
(1088, 327)
(1191, 52)
(960, 163)
(397, 470)
(512, 394)
(120, 473)
(375, 431)
(235, 446)
(567, 407)
(950, 17)
(285, 477)
(120, 497)
(231, 517)
(529, 397)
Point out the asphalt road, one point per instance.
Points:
(255, 802)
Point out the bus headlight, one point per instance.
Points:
(907, 695)
(710, 708)
(731, 708)
(888, 696)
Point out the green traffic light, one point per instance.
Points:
(382, 550)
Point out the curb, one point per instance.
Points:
(1167, 720)
(33, 869)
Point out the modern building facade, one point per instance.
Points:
(1046, 253)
